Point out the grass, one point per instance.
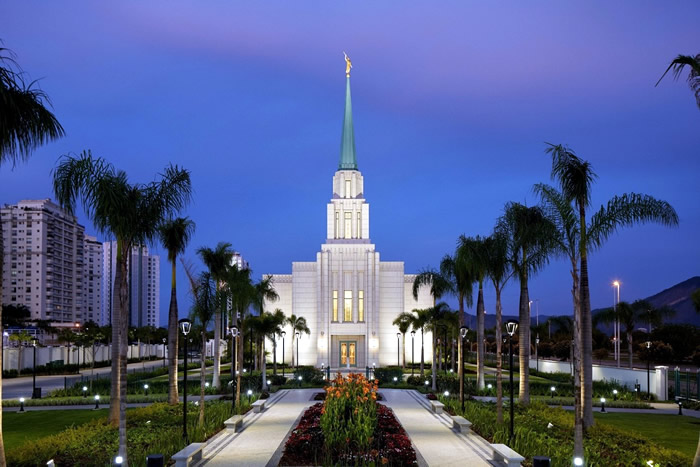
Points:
(671, 431)
(29, 426)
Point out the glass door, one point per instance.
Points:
(348, 353)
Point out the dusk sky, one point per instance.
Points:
(452, 104)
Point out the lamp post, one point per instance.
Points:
(97, 401)
(511, 327)
(648, 358)
(602, 405)
(85, 388)
(462, 334)
(398, 349)
(164, 340)
(34, 341)
(537, 357)
(616, 300)
(297, 334)
(233, 330)
(283, 333)
(21, 404)
(413, 338)
(185, 326)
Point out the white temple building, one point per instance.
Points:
(348, 296)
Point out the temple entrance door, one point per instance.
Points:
(348, 353)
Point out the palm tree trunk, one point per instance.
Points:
(630, 347)
(274, 355)
(202, 376)
(587, 347)
(576, 361)
(422, 353)
(120, 271)
(524, 339)
(263, 364)
(460, 371)
(403, 348)
(216, 379)
(435, 370)
(480, 337)
(293, 339)
(239, 357)
(452, 357)
(172, 342)
(499, 360)
(123, 347)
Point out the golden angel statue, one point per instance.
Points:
(348, 65)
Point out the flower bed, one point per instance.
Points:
(349, 428)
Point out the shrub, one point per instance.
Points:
(386, 375)
(309, 374)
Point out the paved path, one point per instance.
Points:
(432, 435)
(262, 433)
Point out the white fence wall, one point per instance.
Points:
(73, 354)
(658, 375)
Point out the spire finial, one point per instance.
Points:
(348, 64)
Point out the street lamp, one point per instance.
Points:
(616, 325)
(283, 333)
(648, 359)
(34, 394)
(511, 327)
(413, 338)
(462, 334)
(398, 349)
(233, 330)
(185, 326)
(164, 339)
(298, 335)
(537, 357)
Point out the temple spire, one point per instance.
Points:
(348, 160)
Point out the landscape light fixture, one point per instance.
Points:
(511, 327)
(602, 405)
(250, 393)
(97, 401)
(551, 390)
(85, 388)
(680, 408)
(119, 460)
(145, 389)
(395, 379)
(489, 385)
(578, 461)
(426, 382)
(269, 382)
(185, 326)
(615, 394)
(21, 404)
(446, 393)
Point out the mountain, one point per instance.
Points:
(676, 297)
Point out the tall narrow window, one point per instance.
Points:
(347, 308)
(335, 305)
(347, 188)
(361, 305)
(348, 225)
(359, 225)
(337, 224)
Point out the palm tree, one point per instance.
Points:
(279, 319)
(132, 214)
(575, 178)
(298, 324)
(265, 291)
(439, 285)
(205, 304)
(419, 321)
(472, 251)
(217, 260)
(25, 124)
(174, 234)
(499, 271)
(678, 65)
(403, 322)
(529, 234)
(434, 319)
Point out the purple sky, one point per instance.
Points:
(452, 106)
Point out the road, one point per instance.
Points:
(14, 388)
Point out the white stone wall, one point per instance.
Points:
(304, 304)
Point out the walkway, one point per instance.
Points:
(259, 444)
(432, 435)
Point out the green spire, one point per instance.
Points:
(348, 161)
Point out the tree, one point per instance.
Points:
(15, 315)
(419, 321)
(678, 65)
(472, 252)
(265, 291)
(403, 322)
(205, 304)
(499, 271)
(132, 214)
(529, 237)
(434, 319)
(25, 124)
(279, 320)
(217, 260)
(21, 338)
(575, 177)
(298, 324)
(174, 235)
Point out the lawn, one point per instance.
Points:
(671, 431)
(31, 425)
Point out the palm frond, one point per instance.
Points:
(574, 175)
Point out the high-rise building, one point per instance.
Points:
(143, 276)
(93, 279)
(44, 260)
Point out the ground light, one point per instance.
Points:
(269, 382)
(250, 393)
(395, 379)
(680, 408)
(552, 389)
(426, 382)
(21, 404)
(489, 386)
(145, 389)
(97, 401)
(119, 460)
(578, 461)
(602, 405)
(446, 393)
(85, 391)
(614, 394)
